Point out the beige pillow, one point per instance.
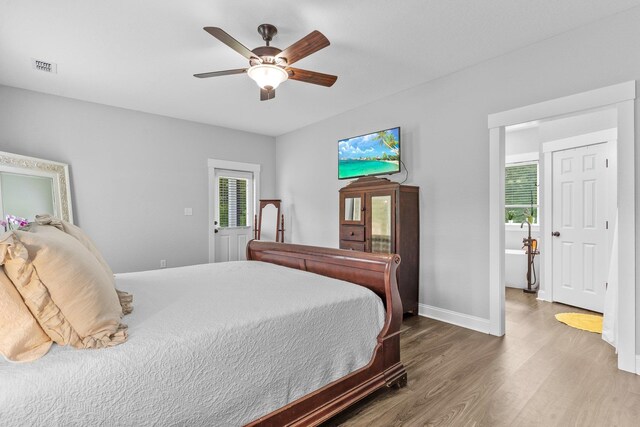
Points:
(21, 338)
(45, 220)
(65, 287)
(76, 232)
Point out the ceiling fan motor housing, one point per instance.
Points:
(267, 55)
(268, 32)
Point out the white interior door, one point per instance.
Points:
(233, 226)
(580, 226)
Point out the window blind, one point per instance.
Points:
(521, 185)
(232, 202)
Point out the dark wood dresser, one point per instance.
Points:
(378, 215)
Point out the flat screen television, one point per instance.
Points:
(376, 153)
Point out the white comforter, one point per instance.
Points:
(213, 344)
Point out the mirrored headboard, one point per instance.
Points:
(30, 186)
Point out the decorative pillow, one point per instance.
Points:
(77, 233)
(21, 338)
(126, 299)
(65, 288)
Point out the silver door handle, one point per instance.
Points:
(556, 234)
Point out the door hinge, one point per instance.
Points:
(607, 163)
(606, 224)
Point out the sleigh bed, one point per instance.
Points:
(285, 338)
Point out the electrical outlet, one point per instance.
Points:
(163, 263)
(188, 211)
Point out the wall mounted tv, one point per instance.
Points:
(376, 153)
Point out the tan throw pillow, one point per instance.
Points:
(76, 232)
(65, 288)
(45, 220)
(21, 338)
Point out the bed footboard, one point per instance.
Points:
(374, 271)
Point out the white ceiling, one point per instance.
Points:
(142, 54)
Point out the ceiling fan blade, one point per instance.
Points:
(231, 42)
(220, 73)
(312, 77)
(304, 47)
(266, 95)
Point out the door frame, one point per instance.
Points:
(622, 97)
(214, 164)
(548, 148)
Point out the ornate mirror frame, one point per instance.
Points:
(59, 172)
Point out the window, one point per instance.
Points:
(232, 194)
(521, 192)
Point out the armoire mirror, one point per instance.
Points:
(352, 208)
(269, 222)
(30, 186)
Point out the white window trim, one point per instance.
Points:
(521, 160)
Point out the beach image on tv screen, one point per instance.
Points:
(373, 154)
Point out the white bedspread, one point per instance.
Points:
(213, 344)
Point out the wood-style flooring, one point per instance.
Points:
(542, 373)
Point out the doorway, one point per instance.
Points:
(580, 207)
(233, 191)
(621, 98)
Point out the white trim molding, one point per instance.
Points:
(627, 237)
(566, 105)
(459, 319)
(542, 296)
(496, 231)
(622, 98)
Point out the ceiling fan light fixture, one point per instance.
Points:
(267, 76)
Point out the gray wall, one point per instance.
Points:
(132, 173)
(522, 141)
(445, 146)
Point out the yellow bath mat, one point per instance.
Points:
(586, 322)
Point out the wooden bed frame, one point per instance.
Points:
(374, 271)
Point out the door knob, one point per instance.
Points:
(556, 234)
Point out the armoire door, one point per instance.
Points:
(381, 219)
(352, 208)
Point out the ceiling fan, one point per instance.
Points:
(270, 66)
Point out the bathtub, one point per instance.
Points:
(515, 268)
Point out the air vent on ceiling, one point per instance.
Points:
(47, 67)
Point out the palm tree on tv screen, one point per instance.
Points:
(389, 140)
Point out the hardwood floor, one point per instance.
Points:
(542, 373)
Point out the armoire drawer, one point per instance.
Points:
(351, 245)
(352, 232)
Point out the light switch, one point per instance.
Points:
(188, 211)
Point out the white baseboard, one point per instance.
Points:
(459, 319)
(542, 296)
(638, 364)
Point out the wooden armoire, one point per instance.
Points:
(378, 215)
